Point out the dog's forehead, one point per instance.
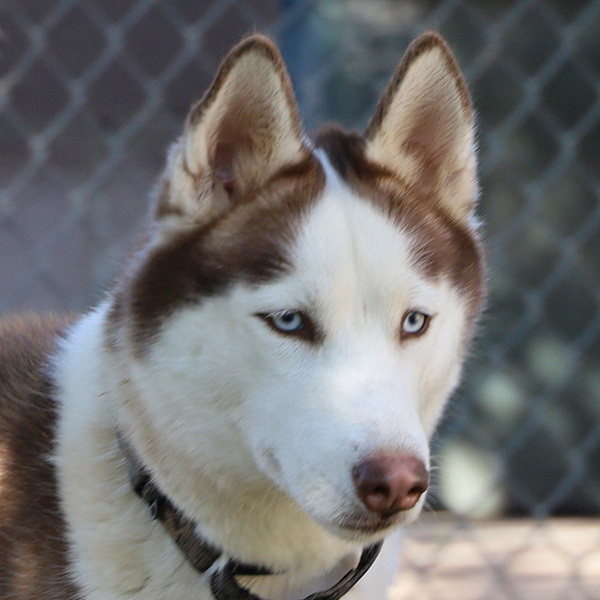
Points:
(346, 240)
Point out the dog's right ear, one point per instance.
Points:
(243, 131)
(423, 129)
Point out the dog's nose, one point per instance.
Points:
(390, 483)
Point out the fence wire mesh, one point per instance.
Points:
(93, 91)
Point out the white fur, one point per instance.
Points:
(254, 435)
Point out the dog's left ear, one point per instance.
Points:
(423, 130)
(243, 131)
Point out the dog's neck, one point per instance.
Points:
(203, 556)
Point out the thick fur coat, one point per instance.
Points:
(296, 313)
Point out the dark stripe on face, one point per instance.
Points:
(250, 243)
(442, 246)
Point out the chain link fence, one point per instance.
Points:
(93, 91)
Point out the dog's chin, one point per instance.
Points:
(367, 529)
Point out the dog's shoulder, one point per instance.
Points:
(26, 404)
(33, 549)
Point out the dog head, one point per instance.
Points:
(299, 312)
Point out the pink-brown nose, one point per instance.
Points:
(389, 483)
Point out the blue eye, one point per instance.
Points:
(287, 321)
(292, 323)
(414, 322)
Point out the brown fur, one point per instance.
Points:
(247, 138)
(254, 43)
(248, 243)
(423, 43)
(32, 529)
(423, 129)
(446, 248)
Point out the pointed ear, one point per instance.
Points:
(244, 130)
(423, 129)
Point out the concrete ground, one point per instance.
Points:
(558, 559)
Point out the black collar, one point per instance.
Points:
(202, 555)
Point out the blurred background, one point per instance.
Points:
(92, 92)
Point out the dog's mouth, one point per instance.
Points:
(368, 528)
(370, 525)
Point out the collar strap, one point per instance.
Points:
(225, 587)
(199, 553)
(202, 555)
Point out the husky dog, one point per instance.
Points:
(247, 414)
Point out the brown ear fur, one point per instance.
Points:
(243, 131)
(426, 41)
(423, 129)
(261, 45)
